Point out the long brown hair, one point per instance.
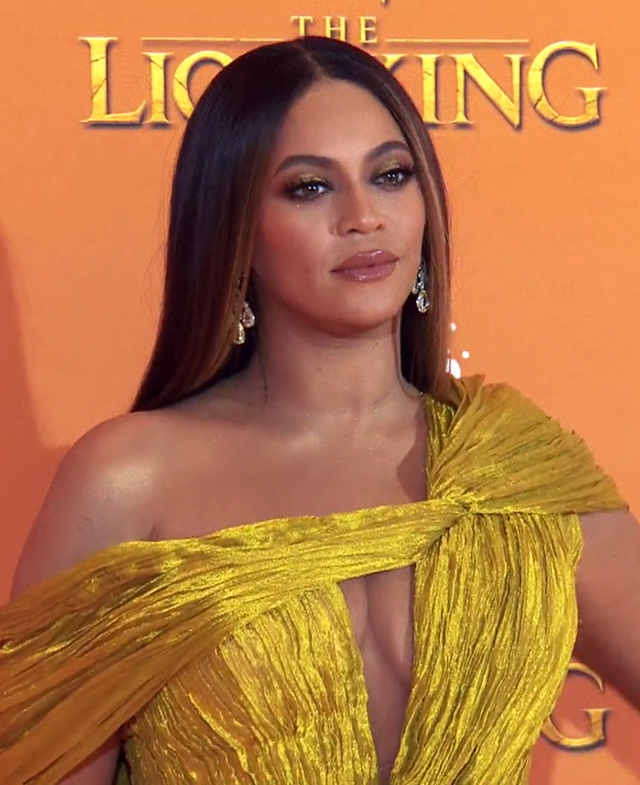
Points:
(218, 181)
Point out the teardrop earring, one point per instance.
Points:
(420, 288)
(245, 322)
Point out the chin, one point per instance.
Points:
(379, 318)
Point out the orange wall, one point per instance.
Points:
(546, 236)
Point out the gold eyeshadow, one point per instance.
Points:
(406, 167)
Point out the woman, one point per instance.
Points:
(308, 555)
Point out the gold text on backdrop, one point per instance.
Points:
(597, 729)
(155, 108)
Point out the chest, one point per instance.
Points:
(243, 477)
(380, 607)
(287, 684)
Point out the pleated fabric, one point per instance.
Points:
(231, 658)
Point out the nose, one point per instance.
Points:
(358, 212)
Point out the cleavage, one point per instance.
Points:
(380, 607)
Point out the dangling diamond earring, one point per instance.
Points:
(420, 288)
(246, 321)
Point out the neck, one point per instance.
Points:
(301, 373)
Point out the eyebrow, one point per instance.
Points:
(329, 163)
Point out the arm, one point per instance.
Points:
(104, 492)
(608, 588)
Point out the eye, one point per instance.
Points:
(395, 177)
(306, 189)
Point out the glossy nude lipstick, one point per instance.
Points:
(367, 266)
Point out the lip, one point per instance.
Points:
(367, 259)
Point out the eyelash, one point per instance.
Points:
(407, 172)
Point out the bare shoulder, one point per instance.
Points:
(108, 489)
(608, 590)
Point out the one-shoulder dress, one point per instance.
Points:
(230, 658)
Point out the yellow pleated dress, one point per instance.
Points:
(230, 658)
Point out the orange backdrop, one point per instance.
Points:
(546, 228)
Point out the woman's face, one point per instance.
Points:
(342, 218)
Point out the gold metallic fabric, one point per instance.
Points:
(231, 658)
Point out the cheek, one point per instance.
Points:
(411, 218)
(289, 238)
